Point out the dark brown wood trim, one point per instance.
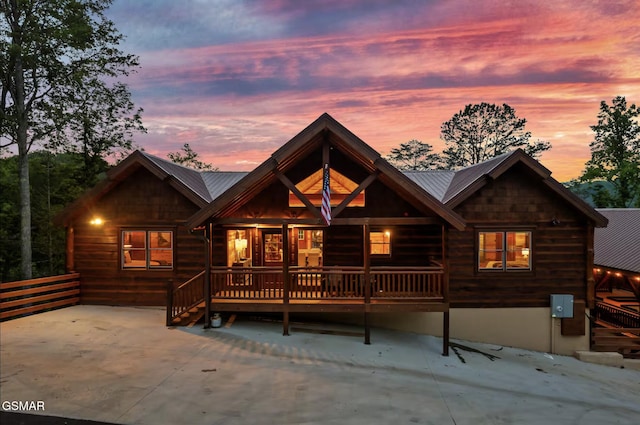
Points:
(365, 183)
(207, 237)
(70, 249)
(590, 281)
(358, 221)
(292, 187)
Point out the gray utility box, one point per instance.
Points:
(561, 306)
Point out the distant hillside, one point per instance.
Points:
(587, 191)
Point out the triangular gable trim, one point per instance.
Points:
(506, 163)
(298, 147)
(117, 175)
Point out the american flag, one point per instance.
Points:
(326, 196)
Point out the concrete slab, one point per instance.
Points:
(603, 358)
(121, 365)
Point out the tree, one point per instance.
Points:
(414, 155)
(615, 155)
(56, 180)
(48, 50)
(484, 131)
(189, 158)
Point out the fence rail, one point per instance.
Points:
(26, 297)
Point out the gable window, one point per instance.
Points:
(504, 251)
(341, 188)
(147, 249)
(380, 243)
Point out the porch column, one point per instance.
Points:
(445, 295)
(208, 237)
(366, 234)
(285, 276)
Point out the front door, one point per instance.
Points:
(272, 252)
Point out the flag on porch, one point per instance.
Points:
(326, 196)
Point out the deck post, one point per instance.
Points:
(445, 334)
(366, 235)
(208, 237)
(286, 278)
(169, 302)
(445, 294)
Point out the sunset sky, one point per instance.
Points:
(237, 79)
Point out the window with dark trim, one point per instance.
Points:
(380, 242)
(147, 249)
(504, 250)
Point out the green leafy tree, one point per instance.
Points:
(483, 131)
(189, 158)
(53, 53)
(56, 180)
(615, 155)
(414, 155)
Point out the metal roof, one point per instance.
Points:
(189, 177)
(468, 175)
(617, 246)
(436, 182)
(218, 182)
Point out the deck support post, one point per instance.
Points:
(366, 235)
(445, 293)
(169, 302)
(208, 236)
(287, 279)
(445, 334)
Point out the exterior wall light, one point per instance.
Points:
(96, 221)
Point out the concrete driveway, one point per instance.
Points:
(121, 365)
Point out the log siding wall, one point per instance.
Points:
(559, 237)
(141, 202)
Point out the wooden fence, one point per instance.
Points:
(625, 341)
(26, 297)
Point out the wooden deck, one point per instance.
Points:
(317, 290)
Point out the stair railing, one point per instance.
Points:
(183, 298)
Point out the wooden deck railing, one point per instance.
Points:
(25, 297)
(616, 316)
(407, 282)
(312, 283)
(186, 296)
(625, 341)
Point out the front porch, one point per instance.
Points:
(311, 289)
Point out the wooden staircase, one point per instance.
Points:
(189, 317)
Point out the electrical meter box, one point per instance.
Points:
(561, 306)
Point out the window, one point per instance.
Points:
(147, 249)
(380, 243)
(341, 188)
(500, 251)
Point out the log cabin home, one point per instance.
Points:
(475, 253)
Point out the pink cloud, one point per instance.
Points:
(389, 82)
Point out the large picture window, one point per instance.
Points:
(504, 251)
(147, 249)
